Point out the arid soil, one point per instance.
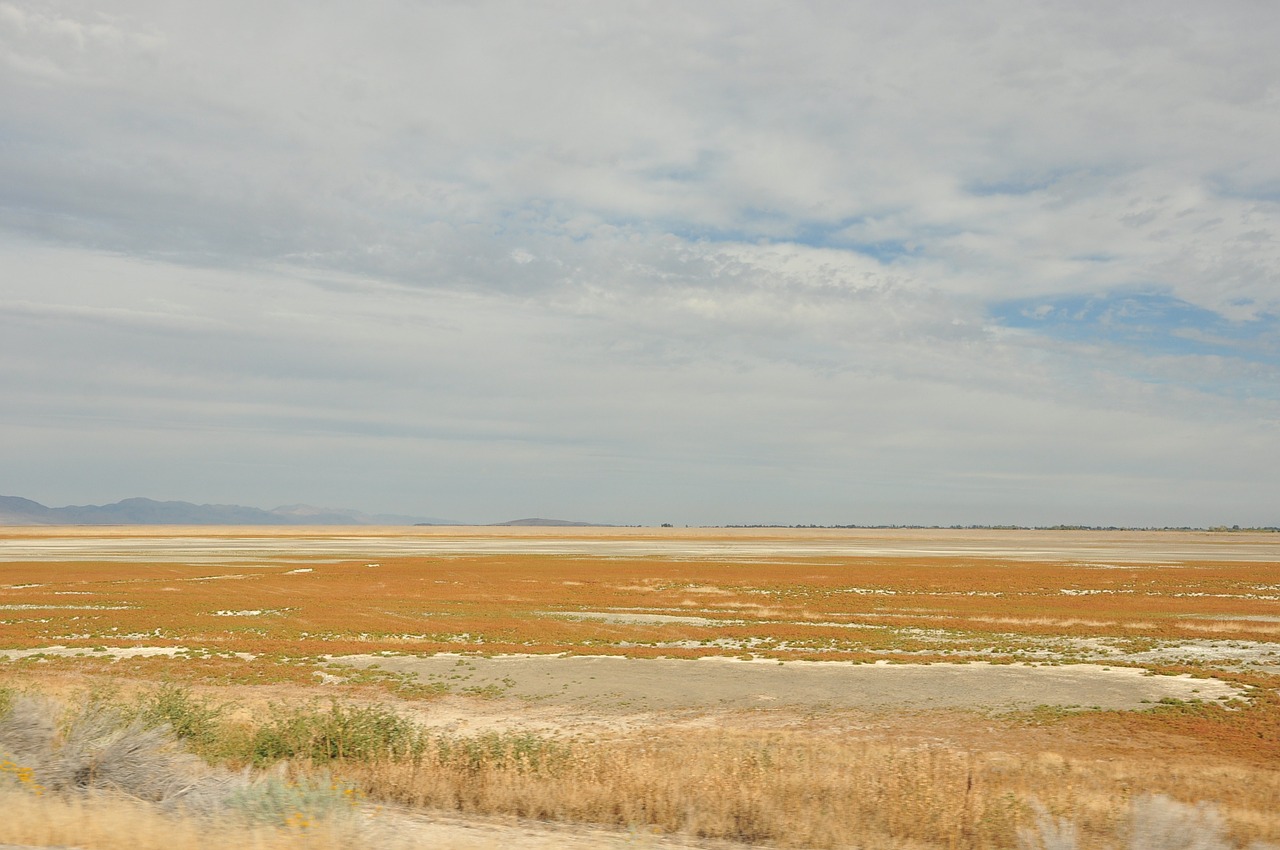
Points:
(1160, 644)
(612, 683)
(229, 545)
(612, 620)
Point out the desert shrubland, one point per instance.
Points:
(271, 730)
(303, 769)
(107, 774)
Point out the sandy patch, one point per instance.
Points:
(639, 619)
(404, 828)
(1245, 618)
(400, 829)
(249, 547)
(36, 606)
(615, 684)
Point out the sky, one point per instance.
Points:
(700, 263)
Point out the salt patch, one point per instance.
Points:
(36, 607)
(115, 652)
(638, 619)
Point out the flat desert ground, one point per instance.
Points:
(1156, 647)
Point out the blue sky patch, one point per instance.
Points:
(1152, 323)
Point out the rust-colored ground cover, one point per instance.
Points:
(791, 606)
(252, 617)
(1208, 604)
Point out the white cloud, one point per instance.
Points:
(709, 245)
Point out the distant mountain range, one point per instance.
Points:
(18, 511)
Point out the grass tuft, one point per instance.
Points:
(193, 721)
(340, 732)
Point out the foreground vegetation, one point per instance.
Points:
(298, 772)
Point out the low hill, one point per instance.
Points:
(15, 510)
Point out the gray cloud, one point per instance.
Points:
(740, 262)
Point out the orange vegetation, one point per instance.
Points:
(289, 612)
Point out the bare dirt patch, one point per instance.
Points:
(656, 684)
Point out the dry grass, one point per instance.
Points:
(113, 764)
(790, 790)
(778, 792)
(784, 789)
(120, 823)
(92, 773)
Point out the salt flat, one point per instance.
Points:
(245, 546)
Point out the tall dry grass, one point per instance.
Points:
(115, 822)
(784, 789)
(776, 791)
(792, 790)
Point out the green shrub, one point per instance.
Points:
(521, 752)
(341, 732)
(193, 721)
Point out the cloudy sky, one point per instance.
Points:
(715, 262)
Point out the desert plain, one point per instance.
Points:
(789, 687)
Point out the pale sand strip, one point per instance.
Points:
(656, 684)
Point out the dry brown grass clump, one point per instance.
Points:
(795, 790)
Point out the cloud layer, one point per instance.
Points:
(795, 262)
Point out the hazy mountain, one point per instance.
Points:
(15, 510)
